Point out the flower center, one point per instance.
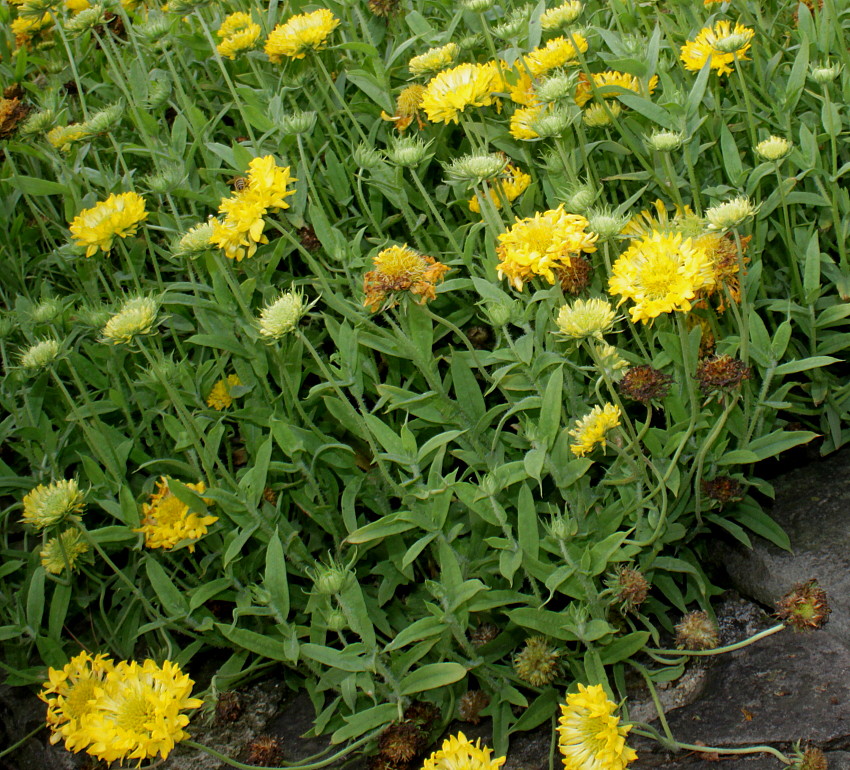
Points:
(78, 699)
(135, 713)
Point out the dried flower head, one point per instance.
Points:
(117, 216)
(265, 751)
(401, 269)
(167, 520)
(471, 704)
(804, 607)
(63, 551)
(590, 737)
(51, 504)
(407, 106)
(537, 663)
(586, 318)
(591, 429)
(402, 742)
(12, 112)
(811, 758)
(228, 707)
(629, 587)
(299, 34)
(721, 373)
(697, 631)
(423, 713)
(483, 634)
(723, 489)
(576, 276)
(644, 383)
(382, 8)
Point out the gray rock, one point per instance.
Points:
(813, 507)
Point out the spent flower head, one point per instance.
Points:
(644, 383)
(697, 631)
(538, 663)
(805, 607)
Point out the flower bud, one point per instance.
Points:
(665, 141)
(38, 123)
(40, 355)
(730, 214)
(53, 503)
(580, 198)
(586, 318)
(281, 317)
(159, 89)
(500, 313)
(46, 312)
(556, 87)
(86, 20)
(298, 122)
(563, 527)
(731, 43)
(408, 151)
(366, 156)
(330, 579)
(166, 180)
(336, 620)
(605, 223)
(477, 6)
(103, 121)
(553, 122)
(825, 73)
(195, 240)
(476, 167)
(471, 704)
(136, 317)
(774, 148)
(597, 116)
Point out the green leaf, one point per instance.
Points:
(33, 186)
(624, 647)
(343, 660)
(267, 645)
(527, 532)
(431, 676)
(173, 601)
(543, 621)
(759, 522)
(274, 579)
(424, 628)
(541, 709)
(779, 441)
(791, 367)
(238, 543)
(392, 524)
(363, 721)
(550, 410)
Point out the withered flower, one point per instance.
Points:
(804, 607)
(228, 707)
(12, 112)
(697, 631)
(264, 751)
(537, 663)
(402, 742)
(483, 634)
(471, 704)
(644, 383)
(721, 373)
(724, 489)
(629, 587)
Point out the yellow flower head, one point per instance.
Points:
(407, 107)
(459, 753)
(301, 33)
(468, 85)
(239, 33)
(400, 268)
(590, 430)
(599, 115)
(220, 397)
(136, 714)
(168, 520)
(136, 317)
(518, 84)
(720, 46)
(71, 694)
(433, 60)
(589, 735)
(511, 187)
(561, 16)
(47, 505)
(63, 551)
(660, 273)
(586, 318)
(63, 137)
(607, 85)
(522, 122)
(540, 244)
(556, 53)
(118, 215)
(281, 317)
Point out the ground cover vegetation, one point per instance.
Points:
(411, 348)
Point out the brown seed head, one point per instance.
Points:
(483, 634)
(479, 336)
(402, 742)
(812, 759)
(383, 8)
(422, 713)
(630, 588)
(228, 707)
(697, 631)
(12, 112)
(471, 704)
(264, 751)
(804, 607)
(724, 489)
(721, 373)
(537, 663)
(644, 383)
(576, 276)
(309, 239)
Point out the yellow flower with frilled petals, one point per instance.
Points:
(562, 15)
(400, 268)
(591, 429)
(168, 520)
(468, 85)
(540, 244)
(136, 317)
(63, 551)
(603, 81)
(434, 59)
(239, 32)
(720, 46)
(301, 33)
(556, 53)
(71, 695)
(511, 188)
(118, 215)
(522, 122)
(53, 503)
(219, 397)
(660, 273)
(459, 753)
(586, 318)
(137, 712)
(407, 107)
(234, 22)
(589, 735)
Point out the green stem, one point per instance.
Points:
(22, 741)
(721, 650)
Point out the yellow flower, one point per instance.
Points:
(168, 520)
(522, 122)
(773, 148)
(660, 273)
(301, 33)
(63, 551)
(75, 6)
(518, 84)
(511, 188)
(241, 230)
(26, 29)
(540, 244)
(219, 397)
(47, 505)
(459, 753)
(70, 694)
(586, 318)
(433, 60)
(407, 107)
(136, 714)
(590, 430)
(731, 214)
(556, 53)
(239, 33)
(468, 85)
(400, 268)
(136, 317)
(607, 83)
(589, 735)
(720, 45)
(599, 115)
(118, 215)
(562, 15)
